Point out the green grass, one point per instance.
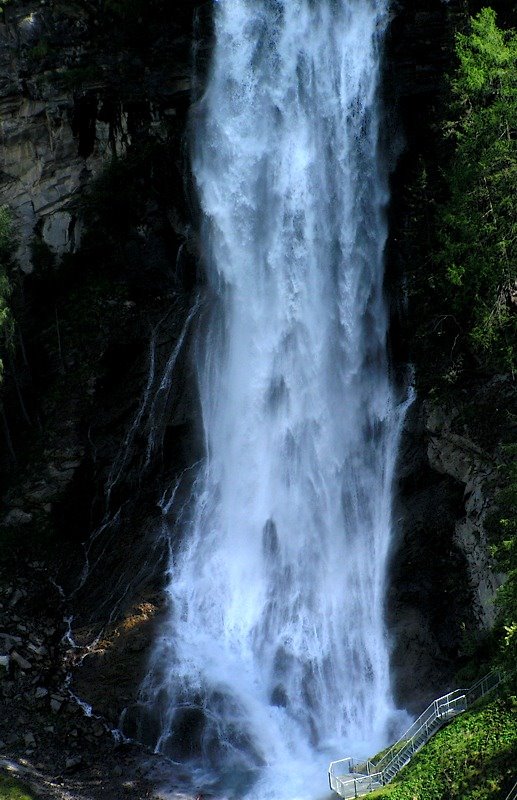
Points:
(11, 789)
(473, 758)
(395, 747)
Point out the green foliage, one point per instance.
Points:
(39, 51)
(12, 789)
(476, 256)
(7, 244)
(487, 60)
(473, 758)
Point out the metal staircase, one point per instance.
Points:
(350, 779)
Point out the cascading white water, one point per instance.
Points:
(274, 657)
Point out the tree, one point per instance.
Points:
(477, 226)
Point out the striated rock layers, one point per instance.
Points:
(96, 415)
(44, 165)
(66, 106)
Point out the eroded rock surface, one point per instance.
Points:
(475, 469)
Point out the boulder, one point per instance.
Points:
(17, 517)
(21, 661)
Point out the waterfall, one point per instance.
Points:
(274, 655)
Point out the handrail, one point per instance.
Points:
(431, 713)
(437, 714)
(482, 687)
(333, 765)
(513, 792)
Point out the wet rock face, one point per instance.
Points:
(71, 96)
(109, 676)
(42, 170)
(60, 123)
(69, 101)
(48, 740)
(460, 458)
(64, 97)
(419, 46)
(442, 583)
(442, 579)
(429, 600)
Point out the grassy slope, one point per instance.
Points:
(473, 758)
(11, 789)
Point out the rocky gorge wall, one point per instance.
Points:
(67, 106)
(440, 605)
(46, 162)
(93, 120)
(105, 293)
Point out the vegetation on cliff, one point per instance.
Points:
(11, 789)
(463, 305)
(503, 530)
(476, 255)
(477, 224)
(465, 215)
(461, 252)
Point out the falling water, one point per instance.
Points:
(274, 656)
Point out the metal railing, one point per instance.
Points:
(369, 775)
(427, 723)
(346, 786)
(513, 793)
(482, 687)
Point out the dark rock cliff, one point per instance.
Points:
(78, 86)
(97, 418)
